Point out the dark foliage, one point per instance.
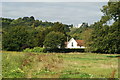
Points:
(26, 32)
(63, 50)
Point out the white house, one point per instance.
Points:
(72, 43)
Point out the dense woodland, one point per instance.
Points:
(27, 32)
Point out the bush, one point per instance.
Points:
(35, 49)
(27, 50)
(38, 49)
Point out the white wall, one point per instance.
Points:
(69, 45)
(82, 47)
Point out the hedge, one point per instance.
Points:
(49, 50)
(64, 50)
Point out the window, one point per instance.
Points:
(72, 44)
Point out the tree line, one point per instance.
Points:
(105, 37)
(26, 32)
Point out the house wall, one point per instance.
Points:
(72, 44)
(82, 47)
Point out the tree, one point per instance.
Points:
(84, 24)
(32, 18)
(14, 38)
(5, 22)
(41, 34)
(58, 27)
(111, 11)
(54, 40)
(105, 38)
(32, 40)
(77, 33)
(18, 38)
(87, 38)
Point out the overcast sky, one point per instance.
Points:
(55, 0)
(65, 12)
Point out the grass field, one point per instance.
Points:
(59, 65)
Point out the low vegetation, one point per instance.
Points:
(51, 50)
(59, 65)
(35, 49)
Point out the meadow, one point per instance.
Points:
(59, 65)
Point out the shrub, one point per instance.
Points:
(35, 49)
(27, 50)
(38, 49)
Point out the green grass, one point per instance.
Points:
(59, 65)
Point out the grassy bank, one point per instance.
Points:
(59, 65)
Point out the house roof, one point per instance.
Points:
(80, 42)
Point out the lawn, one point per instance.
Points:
(59, 65)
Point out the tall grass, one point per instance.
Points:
(52, 65)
